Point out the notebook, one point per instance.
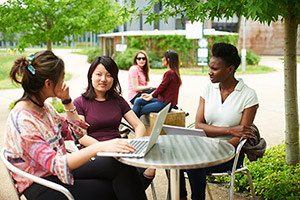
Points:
(143, 145)
(177, 130)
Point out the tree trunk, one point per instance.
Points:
(290, 91)
(49, 45)
(49, 26)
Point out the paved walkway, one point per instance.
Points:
(269, 88)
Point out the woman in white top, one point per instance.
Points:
(226, 110)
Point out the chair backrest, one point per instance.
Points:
(237, 153)
(41, 181)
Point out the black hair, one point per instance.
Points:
(32, 73)
(173, 61)
(113, 69)
(228, 53)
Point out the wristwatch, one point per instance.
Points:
(67, 101)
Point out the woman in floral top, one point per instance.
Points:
(35, 135)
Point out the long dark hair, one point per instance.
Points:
(146, 67)
(113, 69)
(31, 74)
(173, 61)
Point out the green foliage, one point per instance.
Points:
(93, 53)
(252, 58)
(6, 61)
(199, 71)
(12, 105)
(58, 106)
(263, 11)
(212, 39)
(155, 46)
(125, 60)
(156, 65)
(272, 177)
(41, 21)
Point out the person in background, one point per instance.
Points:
(226, 111)
(103, 108)
(138, 76)
(35, 135)
(166, 92)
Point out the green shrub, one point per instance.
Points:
(12, 105)
(272, 177)
(154, 64)
(252, 58)
(125, 60)
(186, 48)
(58, 106)
(212, 39)
(93, 53)
(154, 57)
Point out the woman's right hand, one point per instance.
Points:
(146, 97)
(241, 131)
(117, 145)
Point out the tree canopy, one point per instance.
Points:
(40, 21)
(263, 11)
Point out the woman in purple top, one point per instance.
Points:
(167, 91)
(103, 107)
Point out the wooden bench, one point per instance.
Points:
(175, 118)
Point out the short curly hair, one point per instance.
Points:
(228, 53)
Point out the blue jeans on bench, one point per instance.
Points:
(141, 107)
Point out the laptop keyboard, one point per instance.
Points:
(139, 145)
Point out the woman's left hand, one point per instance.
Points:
(63, 94)
(241, 131)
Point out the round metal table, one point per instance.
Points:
(177, 152)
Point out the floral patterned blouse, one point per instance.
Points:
(38, 148)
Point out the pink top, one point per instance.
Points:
(135, 71)
(38, 148)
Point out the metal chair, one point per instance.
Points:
(11, 168)
(241, 170)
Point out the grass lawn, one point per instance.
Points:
(250, 69)
(6, 61)
(7, 58)
(298, 59)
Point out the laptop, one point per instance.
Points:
(143, 145)
(177, 130)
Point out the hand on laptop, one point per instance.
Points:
(117, 145)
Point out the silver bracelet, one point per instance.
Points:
(73, 110)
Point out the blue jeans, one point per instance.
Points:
(141, 107)
(197, 177)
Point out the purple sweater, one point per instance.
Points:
(104, 117)
(168, 89)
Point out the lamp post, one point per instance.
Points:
(243, 52)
